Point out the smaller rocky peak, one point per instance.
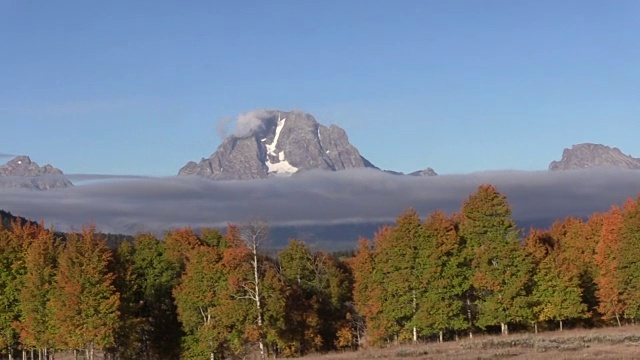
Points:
(590, 155)
(22, 172)
(426, 172)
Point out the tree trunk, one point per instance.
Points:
(535, 327)
(504, 328)
(469, 317)
(212, 356)
(258, 303)
(24, 355)
(415, 309)
(441, 337)
(10, 354)
(560, 325)
(75, 354)
(618, 320)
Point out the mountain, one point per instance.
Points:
(588, 155)
(277, 143)
(24, 173)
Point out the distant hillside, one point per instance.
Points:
(6, 218)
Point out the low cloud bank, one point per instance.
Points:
(312, 200)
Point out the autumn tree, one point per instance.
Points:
(442, 273)
(366, 292)
(255, 234)
(35, 294)
(178, 243)
(317, 299)
(606, 258)
(11, 273)
(84, 302)
(574, 248)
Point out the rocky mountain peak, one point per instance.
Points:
(278, 143)
(589, 155)
(22, 172)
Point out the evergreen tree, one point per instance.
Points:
(199, 298)
(396, 265)
(302, 329)
(558, 297)
(500, 271)
(629, 260)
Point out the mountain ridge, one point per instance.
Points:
(591, 155)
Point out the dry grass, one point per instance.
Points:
(605, 343)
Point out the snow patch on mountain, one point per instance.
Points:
(282, 167)
(271, 148)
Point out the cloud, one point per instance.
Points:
(80, 179)
(250, 122)
(222, 125)
(351, 199)
(3, 155)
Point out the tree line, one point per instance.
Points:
(214, 294)
(188, 295)
(476, 271)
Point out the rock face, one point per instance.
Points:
(22, 172)
(587, 155)
(277, 143)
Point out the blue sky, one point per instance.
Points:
(124, 87)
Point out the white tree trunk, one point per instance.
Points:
(415, 309)
(253, 234)
(469, 317)
(258, 303)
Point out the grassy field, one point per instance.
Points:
(605, 343)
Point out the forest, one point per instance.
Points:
(212, 294)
